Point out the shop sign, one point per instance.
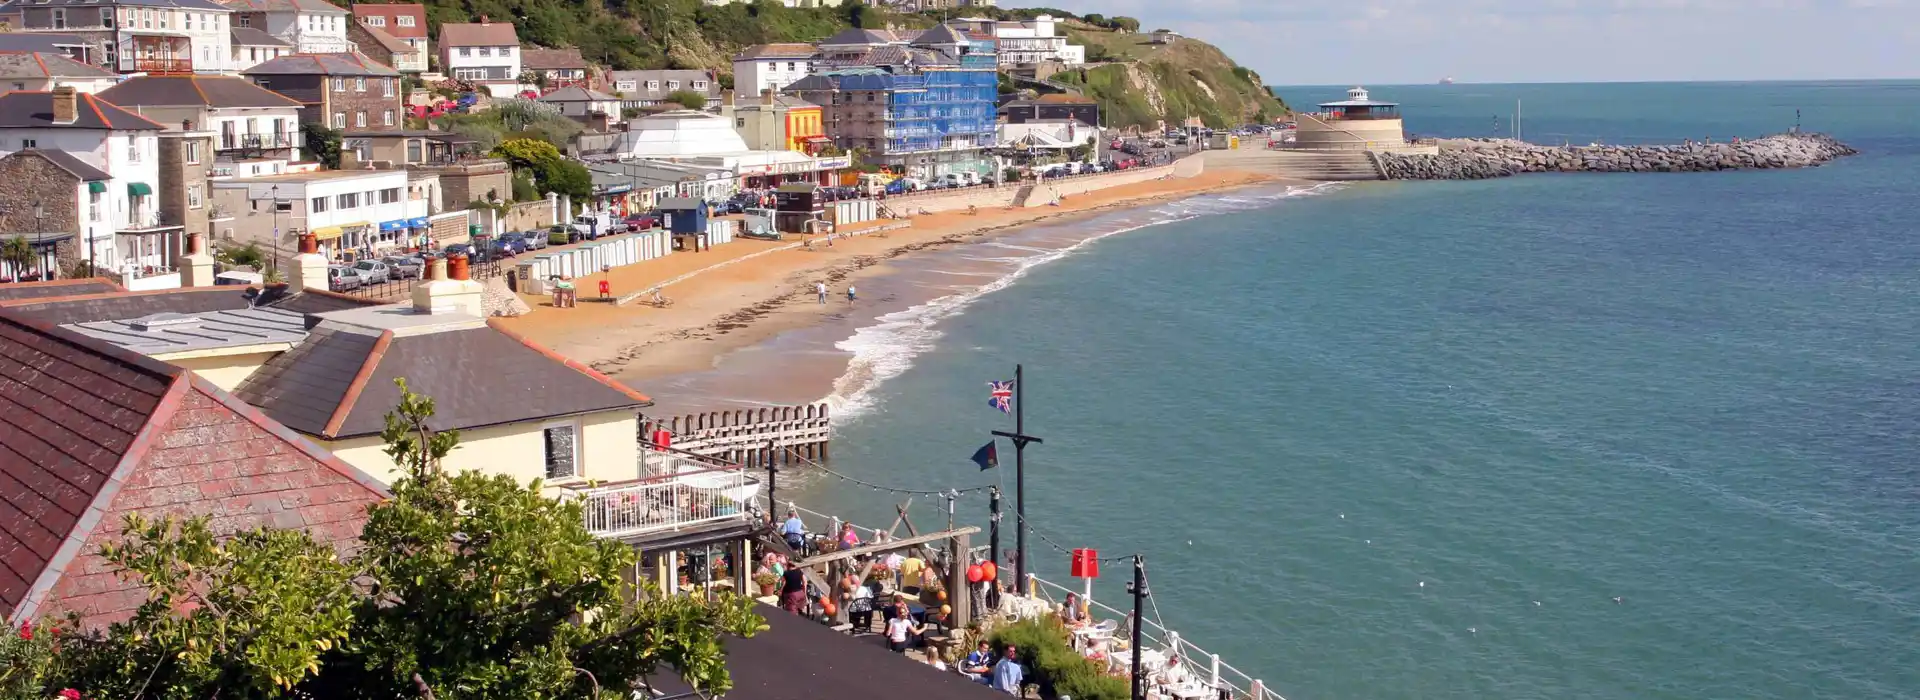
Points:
(833, 163)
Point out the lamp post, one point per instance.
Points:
(273, 265)
(40, 237)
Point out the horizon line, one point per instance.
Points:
(1437, 83)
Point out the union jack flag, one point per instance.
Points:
(1001, 395)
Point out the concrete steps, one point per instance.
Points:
(1326, 165)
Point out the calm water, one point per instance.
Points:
(1699, 393)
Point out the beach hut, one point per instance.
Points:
(686, 217)
(795, 205)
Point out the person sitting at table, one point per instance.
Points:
(1073, 613)
(901, 633)
(861, 615)
(848, 538)
(1171, 675)
(979, 664)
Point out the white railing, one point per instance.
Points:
(666, 503)
(1199, 663)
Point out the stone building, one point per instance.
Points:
(345, 91)
(404, 21)
(41, 203)
(184, 198)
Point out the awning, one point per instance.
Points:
(816, 138)
(328, 233)
(394, 225)
(97, 187)
(417, 222)
(139, 189)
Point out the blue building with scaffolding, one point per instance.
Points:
(923, 111)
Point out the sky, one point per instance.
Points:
(1327, 42)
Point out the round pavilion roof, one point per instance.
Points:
(684, 133)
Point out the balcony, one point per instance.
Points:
(163, 66)
(237, 142)
(144, 223)
(688, 501)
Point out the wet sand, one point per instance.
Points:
(729, 302)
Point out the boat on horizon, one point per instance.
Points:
(1447, 80)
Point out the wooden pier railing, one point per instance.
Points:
(750, 437)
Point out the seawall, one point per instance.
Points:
(1477, 159)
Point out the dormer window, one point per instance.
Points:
(376, 21)
(699, 84)
(404, 21)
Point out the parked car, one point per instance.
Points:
(457, 249)
(535, 240)
(642, 222)
(404, 267)
(373, 271)
(341, 278)
(514, 240)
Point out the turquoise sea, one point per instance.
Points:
(1698, 393)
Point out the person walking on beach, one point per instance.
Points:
(850, 294)
(821, 289)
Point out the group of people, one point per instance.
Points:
(1004, 674)
(820, 288)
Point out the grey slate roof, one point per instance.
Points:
(940, 34)
(347, 64)
(640, 77)
(248, 36)
(23, 109)
(115, 304)
(19, 291)
(68, 162)
(577, 94)
(318, 7)
(218, 91)
(46, 64)
(197, 5)
(477, 376)
(862, 36)
(175, 332)
(36, 41)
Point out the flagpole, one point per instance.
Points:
(1020, 475)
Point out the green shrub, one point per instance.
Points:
(1053, 664)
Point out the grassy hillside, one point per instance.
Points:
(1138, 82)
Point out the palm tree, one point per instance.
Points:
(17, 252)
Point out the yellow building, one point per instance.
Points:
(781, 123)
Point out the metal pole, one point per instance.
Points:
(1020, 476)
(993, 525)
(773, 482)
(273, 265)
(1139, 590)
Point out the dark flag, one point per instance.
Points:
(988, 456)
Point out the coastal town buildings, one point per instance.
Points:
(1026, 42)
(345, 210)
(42, 70)
(108, 207)
(138, 36)
(554, 69)
(597, 108)
(384, 48)
(50, 43)
(775, 122)
(1053, 107)
(771, 67)
(252, 47)
(310, 26)
(484, 53)
(345, 91)
(404, 21)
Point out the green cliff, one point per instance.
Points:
(1138, 82)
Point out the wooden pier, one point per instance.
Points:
(752, 437)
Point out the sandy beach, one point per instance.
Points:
(748, 291)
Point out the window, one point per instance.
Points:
(93, 206)
(146, 19)
(623, 86)
(19, 86)
(486, 51)
(562, 452)
(386, 87)
(404, 21)
(506, 51)
(376, 21)
(193, 152)
(347, 201)
(193, 197)
(359, 84)
(319, 204)
(29, 143)
(106, 17)
(464, 51)
(339, 120)
(386, 118)
(59, 18)
(699, 84)
(253, 55)
(653, 86)
(339, 84)
(791, 66)
(390, 195)
(673, 85)
(133, 151)
(360, 120)
(163, 18)
(243, 20)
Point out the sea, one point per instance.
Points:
(1552, 436)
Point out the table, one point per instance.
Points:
(1088, 634)
(1153, 659)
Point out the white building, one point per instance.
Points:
(41, 71)
(257, 130)
(122, 145)
(1036, 40)
(345, 209)
(709, 143)
(581, 102)
(486, 53)
(310, 26)
(252, 47)
(771, 67)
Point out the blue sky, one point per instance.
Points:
(1291, 42)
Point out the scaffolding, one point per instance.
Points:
(941, 109)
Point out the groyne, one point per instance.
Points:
(1478, 159)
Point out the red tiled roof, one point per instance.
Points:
(90, 431)
(417, 12)
(489, 34)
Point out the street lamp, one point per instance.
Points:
(273, 264)
(40, 237)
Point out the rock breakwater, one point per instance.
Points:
(1478, 159)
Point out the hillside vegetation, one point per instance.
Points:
(1137, 83)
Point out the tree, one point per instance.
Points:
(527, 153)
(565, 177)
(322, 143)
(1095, 19)
(18, 253)
(1125, 24)
(688, 99)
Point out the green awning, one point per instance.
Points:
(97, 187)
(138, 189)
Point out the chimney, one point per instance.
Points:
(445, 288)
(766, 97)
(309, 269)
(349, 159)
(196, 269)
(66, 105)
(726, 97)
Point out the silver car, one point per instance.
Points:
(406, 268)
(373, 271)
